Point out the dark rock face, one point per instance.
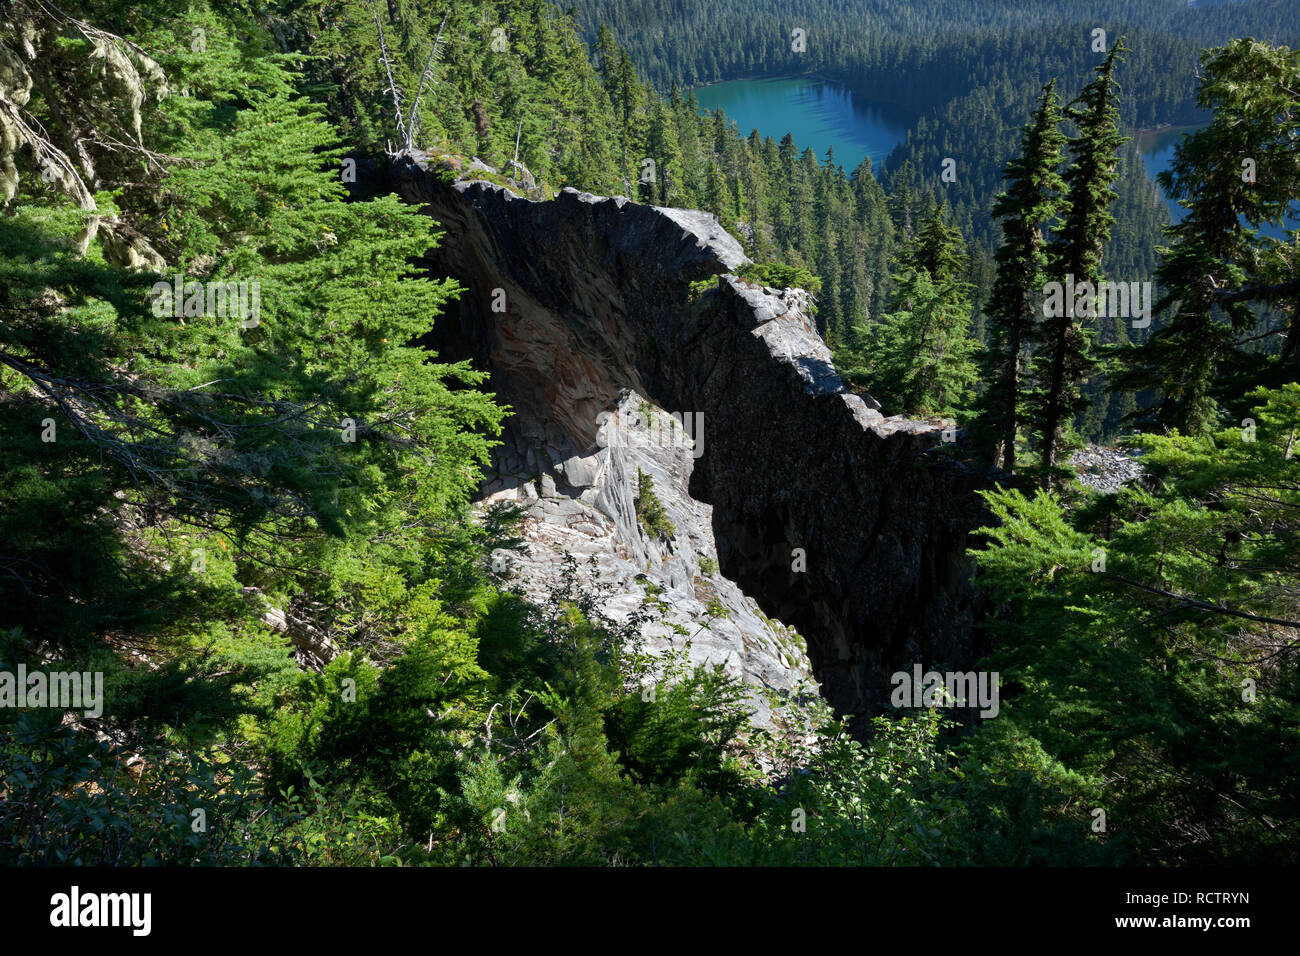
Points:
(569, 302)
(881, 512)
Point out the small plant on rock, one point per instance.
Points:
(650, 510)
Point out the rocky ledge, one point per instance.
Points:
(824, 515)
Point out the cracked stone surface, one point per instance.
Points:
(620, 558)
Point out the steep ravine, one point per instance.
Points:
(582, 306)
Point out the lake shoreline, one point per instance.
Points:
(819, 113)
(764, 76)
(803, 76)
(1144, 137)
(1139, 135)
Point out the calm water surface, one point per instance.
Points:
(821, 115)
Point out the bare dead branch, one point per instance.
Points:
(428, 69)
(392, 84)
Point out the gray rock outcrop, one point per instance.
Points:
(836, 520)
(586, 507)
(1106, 470)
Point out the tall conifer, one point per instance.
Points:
(1065, 360)
(1236, 174)
(1028, 208)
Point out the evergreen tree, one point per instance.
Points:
(1028, 209)
(669, 186)
(919, 355)
(1232, 177)
(1198, 577)
(717, 196)
(1065, 359)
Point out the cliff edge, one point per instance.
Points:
(597, 317)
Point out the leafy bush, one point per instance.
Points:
(71, 800)
(650, 511)
(778, 275)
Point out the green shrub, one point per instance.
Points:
(778, 275)
(650, 511)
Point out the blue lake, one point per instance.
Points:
(820, 115)
(1157, 149)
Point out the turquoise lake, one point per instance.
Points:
(1157, 148)
(822, 115)
(819, 114)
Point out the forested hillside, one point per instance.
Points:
(970, 75)
(238, 486)
(923, 53)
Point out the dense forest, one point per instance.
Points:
(184, 503)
